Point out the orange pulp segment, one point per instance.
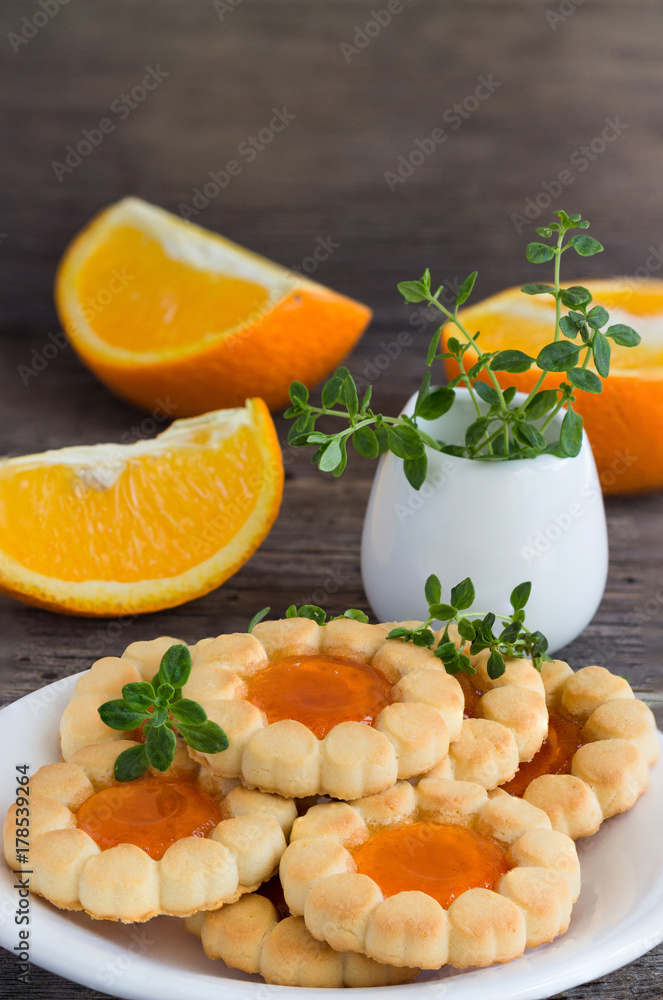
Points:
(151, 813)
(112, 529)
(160, 308)
(168, 299)
(320, 691)
(442, 861)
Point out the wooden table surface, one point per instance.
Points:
(555, 76)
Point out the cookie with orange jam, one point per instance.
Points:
(594, 763)
(441, 873)
(335, 709)
(250, 935)
(505, 721)
(169, 843)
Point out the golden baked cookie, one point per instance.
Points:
(168, 843)
(601, 744)
(375, 710)
(249, 935)
(441, 873)
(505, 723)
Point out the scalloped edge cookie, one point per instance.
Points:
(611, 771)
(509, 728)
(249, 935)
(122, 882)
(530, 905)
(409, 737)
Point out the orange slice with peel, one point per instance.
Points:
(160, 308)
(123, 529)
(623, 422)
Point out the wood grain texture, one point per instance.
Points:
(556, 85)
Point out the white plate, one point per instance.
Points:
(618, 917)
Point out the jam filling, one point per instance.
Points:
(320, 691)
(151, 813)
(442, 861)
(471, 695)
(555, 756)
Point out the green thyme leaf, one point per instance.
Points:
(189, 712)
(175, 666)
(413, 291)
(140, 695)
(436, 403)
(558, 356)
(570, 437)
(585, 380)
(332, 391)
(311, 611)
(415, 470)
(355, 614)
(569, 327)
(511, 361)
(365, 442)
(535, 288)
(465, 289)
(298, 394)
(529, 435)
(131, 764)
(208, 738)
(487, 392)
(462, 595)
(404, 441)
(623, 335)
(258, 617)
(520, 595)
(597, 317)
(432, 347)
(117, 714)
(350, 396)
(466, 629)
(574, 296)
(160, 746)
(601, 353)
(433, 589)
(442, 612)
(541, 403)
(539, 253)
(585, 245)
(331, 456)
(495, 666)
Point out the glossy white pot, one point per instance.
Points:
(500, 523)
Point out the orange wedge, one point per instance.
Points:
(161, 309)
(624, 421)
(123, 529)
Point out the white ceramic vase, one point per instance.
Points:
(500, 523)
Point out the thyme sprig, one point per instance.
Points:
(501, 430)
(513, 641)
(160, 711)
